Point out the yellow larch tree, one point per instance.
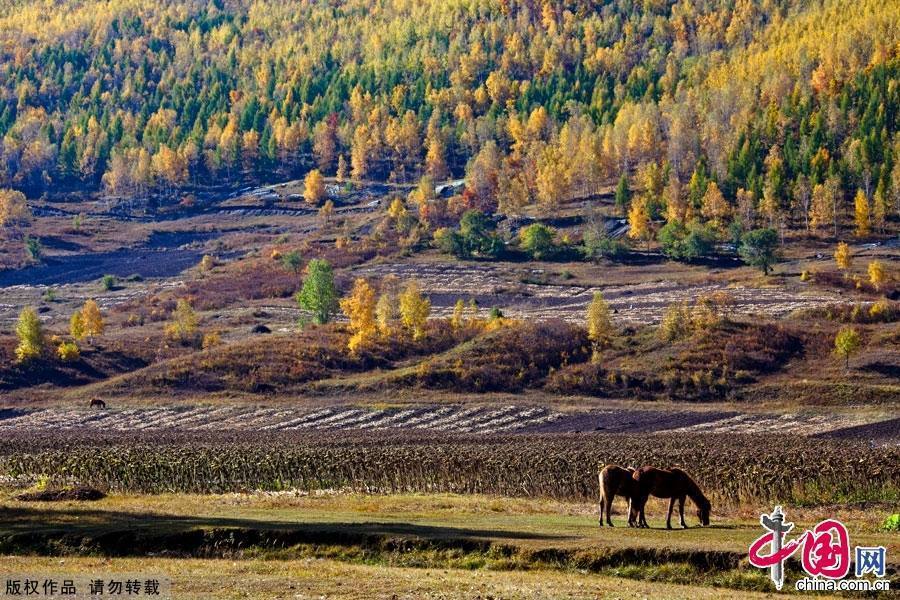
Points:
(184, 323)
(599, 324)
(821, 213)
(76, 325)
(314, 187)
(639, 221)
(861, 214)
(93, 320)
(326, 212)
(359, 306)
(843, 256)
(715, 209)
(13, 208)
(879, 209)
(458, 318)
(414, 310)
(387, 309)
(31, 335)
(877, 274)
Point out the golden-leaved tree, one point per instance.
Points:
(599, 324)
(843, 256)
(92, 319)
(31, 335)
(861, 214)
(359, 307)
(13, 208)
(314, 187)
(414, 309)
(639, 221)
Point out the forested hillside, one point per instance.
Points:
(761, 112)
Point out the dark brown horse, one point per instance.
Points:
(615, 481)
(673, 484)
(98, 403)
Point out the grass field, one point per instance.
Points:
(438, 545)
(322, 578)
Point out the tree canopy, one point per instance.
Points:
(530, 102)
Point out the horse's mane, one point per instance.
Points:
(693, 490)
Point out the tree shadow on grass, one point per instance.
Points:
(36, 531)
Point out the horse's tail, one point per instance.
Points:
(602, 479)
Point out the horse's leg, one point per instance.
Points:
(669, 515)
(602, 502)
(642, 520)
(609, 503)
(681, 511)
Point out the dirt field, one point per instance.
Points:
(459, 418)
(516, 291)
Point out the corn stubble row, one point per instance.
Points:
(731, 468)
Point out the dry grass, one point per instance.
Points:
(310, 578)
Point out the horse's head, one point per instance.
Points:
(703, 509)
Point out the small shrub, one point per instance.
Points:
(537, 240)
(597, 244)
(183, 326)
(676, 323)
(686, 243)
(68, 352)
(892, 523)
(108, 282)
(292, 261)
(211, 339)
(33, 248)
(883, 311)
(207, 263)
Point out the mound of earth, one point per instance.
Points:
(59, 495)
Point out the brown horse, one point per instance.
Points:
(673, 484)
(98, 403)
(615, 481)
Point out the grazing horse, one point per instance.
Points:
(98, 403)
(615, 481)
(673, 484)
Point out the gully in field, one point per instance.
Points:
(615, 481)
(673, 484)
